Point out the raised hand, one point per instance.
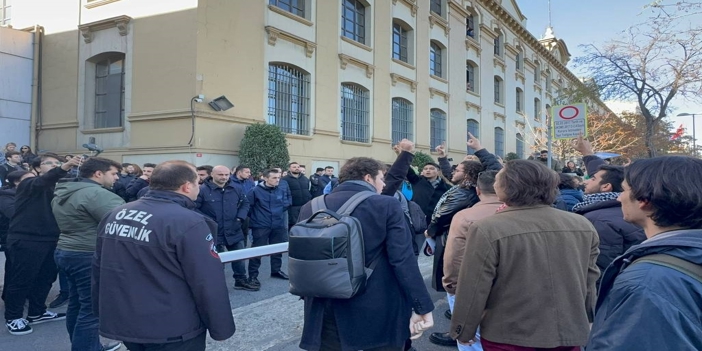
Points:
(473, 142)
(441, 149)
(582, 146)
(406, 145)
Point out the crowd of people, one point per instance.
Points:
(606, 257)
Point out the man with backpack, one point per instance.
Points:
(377, 318)
(650, 296)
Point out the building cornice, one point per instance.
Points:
(433, 92)
(275, 33)
(435, 19)
(121, 22)
(412, 4)
(394, 77)
(344, 60)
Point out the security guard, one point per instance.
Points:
(157, 280)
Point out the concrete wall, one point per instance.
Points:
(16, 74)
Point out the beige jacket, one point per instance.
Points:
(456, 242)
(528, 278)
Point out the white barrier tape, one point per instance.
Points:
(252, 252)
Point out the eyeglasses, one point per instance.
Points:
(24, 148)
(58, 164)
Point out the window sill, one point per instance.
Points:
(355, 143)
(355, 43)
(103, 130)
(298, 136)
(403, 63)
(290, 15)
(94, 4)
(471, 92)
(498, 104)
(439, 79)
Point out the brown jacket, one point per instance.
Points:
(456, 242)
(528, 278)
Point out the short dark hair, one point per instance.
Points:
(613, 175)
(267, 173)
(544, 151)
(240, 168)
(486, 182)
(292, 163)
(527, 183)
(328, 167)
(171, 175)
(152, 165)
(207, 168)
(46, 155)
(303, 166)
(357, 168)
(319, 169)
(125, 165)
(94, 164)
(13, 177)
(9, 154)
(567, 181)
(433, 165)
(669, 185)
(36, 163)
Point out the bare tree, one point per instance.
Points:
(651, 64)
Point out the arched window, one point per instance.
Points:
(471, 76)
(520, 100)
(499, 41)
(289, 98)
(500, 142)
(435, 59)
(519, 61)
(353, 20)
(498, 90)
(402, 120)
(355, 113)
(296, 7)
(109, 90)
(520, 145)
(537, 72)
(400, 41)
(537, 109)
(473, 128)
(438, 127)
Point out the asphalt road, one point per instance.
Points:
(266, 320)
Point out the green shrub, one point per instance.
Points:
(420, 159)
(512, 156)
(264, 146)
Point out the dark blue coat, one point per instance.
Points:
(268, 206)
(244, 185)
(380, 315)
(648, 306)
(228, 206)
(570, 197)
(134, 187)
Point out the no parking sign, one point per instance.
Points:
(569, 121)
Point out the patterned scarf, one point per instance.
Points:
(590, 199)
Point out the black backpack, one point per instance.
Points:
(414, 214)
(326, 254)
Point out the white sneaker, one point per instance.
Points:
(112, 346)
(18, 326)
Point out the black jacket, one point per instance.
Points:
(5, 170)
(227, 206)
(156, 275)
(300, 194)
(315, 189)
(133, 188)
(425, 195)
(7, 211)
(34, 219)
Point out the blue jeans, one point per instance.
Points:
(81, 323)
(238, 267)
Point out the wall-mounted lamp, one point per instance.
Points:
(221, 104)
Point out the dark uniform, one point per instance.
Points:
(157, 278)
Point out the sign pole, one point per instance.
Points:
(549, 141)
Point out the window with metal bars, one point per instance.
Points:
(436, 7)
(355, 113)
(537, 109)
(402, 120)
(520, 100)
(296, 7)
(473, 128)
(498, 90)
(437, 127)
(5, 12)
(289, 98)
(399, 42)
(471, 69)
(353, 21)
(520, 145)
(500, 142)
(109, 92)
(435, 54)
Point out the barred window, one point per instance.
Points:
(438, 127)
(289, 98)
(498, 90)
(436, 7)
(471, 75)
(520, 100)
(355, 112)
(499, 142)
(473, 128)
(435, 59)
(537, 109)
(399, 42)
(109, 92)
(296, 7)
(353, 21)
(402, 120)
(520, 145)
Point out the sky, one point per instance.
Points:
(594, 22)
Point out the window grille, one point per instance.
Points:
(289, 99)
(355, 112)
(402, 120)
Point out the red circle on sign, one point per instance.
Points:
(577, 112)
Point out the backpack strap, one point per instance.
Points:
(318, 204)
(355, 200)
(683, 266)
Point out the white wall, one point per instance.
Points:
(16, 70)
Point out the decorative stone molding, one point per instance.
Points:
(456, 9)
(103, 130)
(512, 49)
(470, 105)
(537, 87)
(519, 75)
(326, 132)
(403, 63)
(489, 31)
(473, 44)
(411, 3)
(442, 80)
(499, 61)
(275, 33)
(121, 22)
(355, 43)
(499, 116)
(58, 125)
(519, 125)
(433, 92)
(436, 19)
(394, 77)
(346, 59)
(95, 3)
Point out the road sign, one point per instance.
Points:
(569, 121)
